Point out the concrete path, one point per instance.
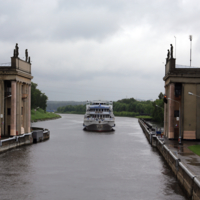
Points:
(187, 157)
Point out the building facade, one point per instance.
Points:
(182, 112)
(15, 96)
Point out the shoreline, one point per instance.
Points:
(46, 119)
(187, 178)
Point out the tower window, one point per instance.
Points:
(8, 111)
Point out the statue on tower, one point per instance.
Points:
(168, 55)
(26, 55)
(16, 50)
(171, 50)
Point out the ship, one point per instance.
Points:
(99, 116)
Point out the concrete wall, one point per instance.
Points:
(15, 142)
(21, 140)
(189, 118)
(21, 64)
(171, 111)
(187, 180)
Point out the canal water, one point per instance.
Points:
(79, 165)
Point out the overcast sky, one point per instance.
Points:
(100, 49)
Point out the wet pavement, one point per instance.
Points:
(187, 157)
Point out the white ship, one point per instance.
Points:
(99, 116)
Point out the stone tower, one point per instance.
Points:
(15, 96)
(182, 112)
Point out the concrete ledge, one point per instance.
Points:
(189, 182)
(196, 191)
(188, 179)
(21, 140)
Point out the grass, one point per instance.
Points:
(40, 114)
(195, 149)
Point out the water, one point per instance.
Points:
(79, 165)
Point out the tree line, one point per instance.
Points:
(127, 107)
(38, 99)
(72, 108)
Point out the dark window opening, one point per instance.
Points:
(178, 89)
(8, 129)
(7, 88)
(8, 111)
(176, 113)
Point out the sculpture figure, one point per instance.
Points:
(168, 54)
(16, 50)
(29, 59)
(171, 50)
(26, 55)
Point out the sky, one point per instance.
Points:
(100, 49)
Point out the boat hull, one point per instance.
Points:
(99, 127)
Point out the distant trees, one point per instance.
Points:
(38, 99)
(132, 105)
(70, 108)
(158, 111)
(127, 107)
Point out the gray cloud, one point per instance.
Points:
(83, 49)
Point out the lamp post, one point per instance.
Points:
(190, 93)
(158, 106)
(190, 37)
(175, 46)
(179, 140)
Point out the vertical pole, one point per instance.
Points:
(175, 46)
(29, 108)
(190, 53)
(190, 37)
(179, 141)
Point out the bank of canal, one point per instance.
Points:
(80, 165)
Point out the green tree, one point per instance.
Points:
(38, 99)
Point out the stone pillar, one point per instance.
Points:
(18, 125)
(20, 109)
(165, 116)
(171, 111)
(24, 108)
(2, 120)
(13, 109)
(1, 108)
(198, 112)
(29, 108)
